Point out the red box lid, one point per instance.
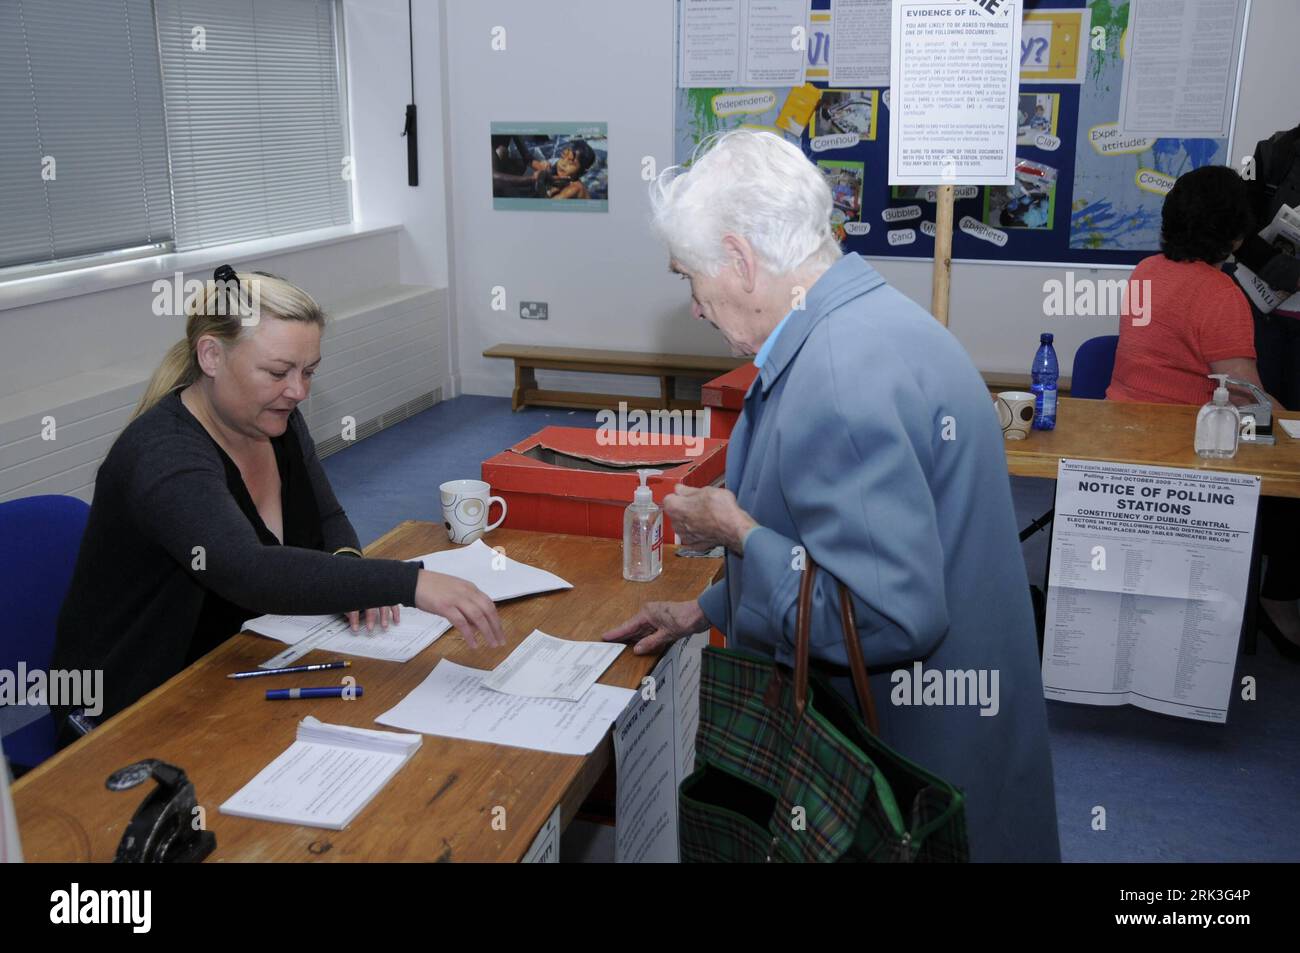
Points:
(531, 466)
(728, 391)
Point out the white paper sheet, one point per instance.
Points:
(542, 666)
(495, 573)
(1149, 573)
(860, 41)
(453, 703)
(1292, 427)
(709, 43)
(654, 751)
(330, 633)
(1180, 73)
(325, 777)
(741, 43)
(771, 55)
(954, 73)
(545, 848)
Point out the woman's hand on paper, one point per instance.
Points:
(462, 604)
(383, 616)
(658, 625)
(708, 516)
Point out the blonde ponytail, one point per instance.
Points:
(178, 369)
(212, 314)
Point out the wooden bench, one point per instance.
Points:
(530, 358)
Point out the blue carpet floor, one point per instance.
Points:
(1171, 789)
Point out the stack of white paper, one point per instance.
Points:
(331, 633)
(543, 666)
(453, 702)
(325, 777)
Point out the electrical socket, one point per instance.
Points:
(533, 310)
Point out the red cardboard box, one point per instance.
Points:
(564, 480)
(725, 398)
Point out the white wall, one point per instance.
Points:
(379, 87)
(604, 275)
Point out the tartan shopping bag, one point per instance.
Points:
(770, 743)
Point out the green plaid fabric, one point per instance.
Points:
(769, 786)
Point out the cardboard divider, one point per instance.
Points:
(576, 480)
(724, 397)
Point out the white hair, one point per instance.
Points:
(747, 183)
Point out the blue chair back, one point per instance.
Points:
(39, 540)
(1094, 362)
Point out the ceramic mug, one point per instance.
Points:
(465, 505)
(1015, 413)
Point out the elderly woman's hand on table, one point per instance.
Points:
(704, 517)
(658, 625)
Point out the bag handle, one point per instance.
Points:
(852, 648)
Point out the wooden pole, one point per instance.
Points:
(942, 281)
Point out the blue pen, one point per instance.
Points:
(285, 694)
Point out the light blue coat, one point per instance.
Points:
(870, 439)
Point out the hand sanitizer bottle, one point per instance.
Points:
(643, 534)
(1218, 424)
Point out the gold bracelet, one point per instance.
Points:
(349, 551)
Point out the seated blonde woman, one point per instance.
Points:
(211, 507)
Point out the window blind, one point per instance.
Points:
(83, 157)
(255, 117)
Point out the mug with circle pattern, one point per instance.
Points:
(465, 505)
(1015, 413)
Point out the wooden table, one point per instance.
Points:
(438, 807)
(1148, 435)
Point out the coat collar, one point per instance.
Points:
(845, 280)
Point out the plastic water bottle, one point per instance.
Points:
(1044, 374)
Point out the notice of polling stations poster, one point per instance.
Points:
(954, 83)
(1148, 580)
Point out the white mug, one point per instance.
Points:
(465, 505)
(1015, 413)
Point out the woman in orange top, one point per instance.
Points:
(1197, 322)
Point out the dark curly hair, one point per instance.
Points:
(1206, 211)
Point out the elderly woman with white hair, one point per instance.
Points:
(869, 442)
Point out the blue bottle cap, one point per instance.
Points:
(1045, 338)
